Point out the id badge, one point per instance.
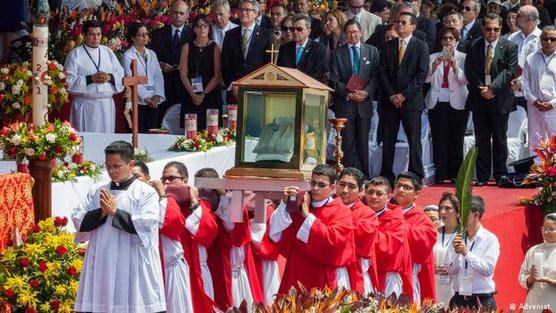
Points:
(197, 84)
(466, 286)
(488, 80)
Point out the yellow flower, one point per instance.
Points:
(27, 298)
(45, 307)
(10, 255)
(60, 290)
(65, 307)
(78, 264)
(47, 225)
(15, 283)
(33, 250)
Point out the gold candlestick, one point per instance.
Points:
(339, 124)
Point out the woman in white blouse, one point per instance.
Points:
(151, 94)
(538, 271)
(445, 102)
(448, 209)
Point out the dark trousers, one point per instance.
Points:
(148, 118)
(448, 131)
(473, 302)
(411, 121)
(490, 127)
(520, 101)
(355, 142)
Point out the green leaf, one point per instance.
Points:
(464, 185)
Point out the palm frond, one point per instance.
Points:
(464, 185)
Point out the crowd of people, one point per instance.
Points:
(461, 58)
(164, 245)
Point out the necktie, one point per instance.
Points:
(463, 33)
(176, 40)
(488, 63)
(245, 41)
(402, 51)
(355, 59)
(298, 55)
(445, 76)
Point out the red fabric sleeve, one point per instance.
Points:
(331, 240)
(421, 235)
(208, 227)
(174, 221)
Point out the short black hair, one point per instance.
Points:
(144, 168)
(123, 148)
(207, 172)
(492, 17)
(478, 205)
(414, 179)
(132, 31)
(326, 170)
(90, 24)
(412, 17)
(352, 21)
(182, 169)
(550, 216)
(355, 173)
(379, 181)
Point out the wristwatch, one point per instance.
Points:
(194, 207)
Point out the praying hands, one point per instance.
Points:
(108, 203)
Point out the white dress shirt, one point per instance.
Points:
(478, 264)
(219, 33)
(465, 30)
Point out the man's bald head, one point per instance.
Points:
(180, 12)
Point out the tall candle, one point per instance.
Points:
(212, 121)
(538, 260)
(191, 126)
(40, 91)
(232, 116)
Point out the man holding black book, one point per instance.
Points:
(353, 77)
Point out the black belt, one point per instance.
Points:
(476, 295)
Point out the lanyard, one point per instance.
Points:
(97, 66)
(143, 61)
(547, 60)
(449, 239)
(470, 248)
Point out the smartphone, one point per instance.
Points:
(446, 54)
(294, 202)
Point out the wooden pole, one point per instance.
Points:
(133, 82)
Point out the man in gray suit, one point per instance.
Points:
(366, 19)
(355, 58)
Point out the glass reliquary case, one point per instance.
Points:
(281, 131)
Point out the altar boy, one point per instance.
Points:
(121, 268)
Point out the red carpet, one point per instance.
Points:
(517, 228)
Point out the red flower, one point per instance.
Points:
(51, 66)
(60, 221)
(61, 250)
(31, 137)
(42, 156)
(24, 262)
(36, 228)
(10, 242)
(1, 97)
(27, 100)
(73, 136)
(42, 266)
(8, 293)
(5, 130)
(12, 151)
(55, 304)
(81, 251)
(196, 146)
(30, 310)
(551, 171)
(71, 271)
(58, 149)
(34, 283)
(53, 90)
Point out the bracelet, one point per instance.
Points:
(194, 207)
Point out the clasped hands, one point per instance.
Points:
(543, 106)
(357, 96)
(486, 92)
(532, 277)
(101, 77)
(153, 101)
(397, 99)
(108, 203)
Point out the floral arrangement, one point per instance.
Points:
(543, 175)
(69, 171)
(50, 141)
(142, 155)
(42, 275)
(204, 141)
(15, 89)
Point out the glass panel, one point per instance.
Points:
(315, 136)
(269, 126)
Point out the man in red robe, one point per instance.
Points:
(393, 256)
(363, 274)
(421, 235)
(315, 234)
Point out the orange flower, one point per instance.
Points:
(27, 100)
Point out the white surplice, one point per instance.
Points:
(121, 271)
(92, 108)
(147, 65)
(271, 274)
(192, 224)
(541, 295)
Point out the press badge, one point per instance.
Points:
(488, 80)
(197, 84)
(466, 285)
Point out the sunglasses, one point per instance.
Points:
(549, 39)
(296, 29)
(448, 38)
(401, 22)
(318, 184)
(492, 29)
(467, 8)
(202, 26)
(170, 178)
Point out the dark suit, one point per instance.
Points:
(429, 28)
(316, 28)
(475, 32)
(234, 65)
(356, 133)
(162, 45)
(377, 38)
(313, 61)
(265, 22)
(406, 78)
(490, 117)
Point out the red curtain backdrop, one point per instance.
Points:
(16, 205)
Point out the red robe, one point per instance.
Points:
(365, 222)
(265, 251)
(330, 246)
(392, 249)
(422, 237)
(220, 266)
(208, 229)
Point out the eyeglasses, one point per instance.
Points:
(202, 26)
(246, 10)
(286, 28)
(348, 185)
(318, 184)
(371, 192)
(448, 38)
(170, 179)
(296, 29)
(548, 39)
(179, 13)
(401, 22)
(466, 8)
(548, 229)
(404, 186)
(492, 29)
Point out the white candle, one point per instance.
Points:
(440, 255)
(40, 91)
(538, 261)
